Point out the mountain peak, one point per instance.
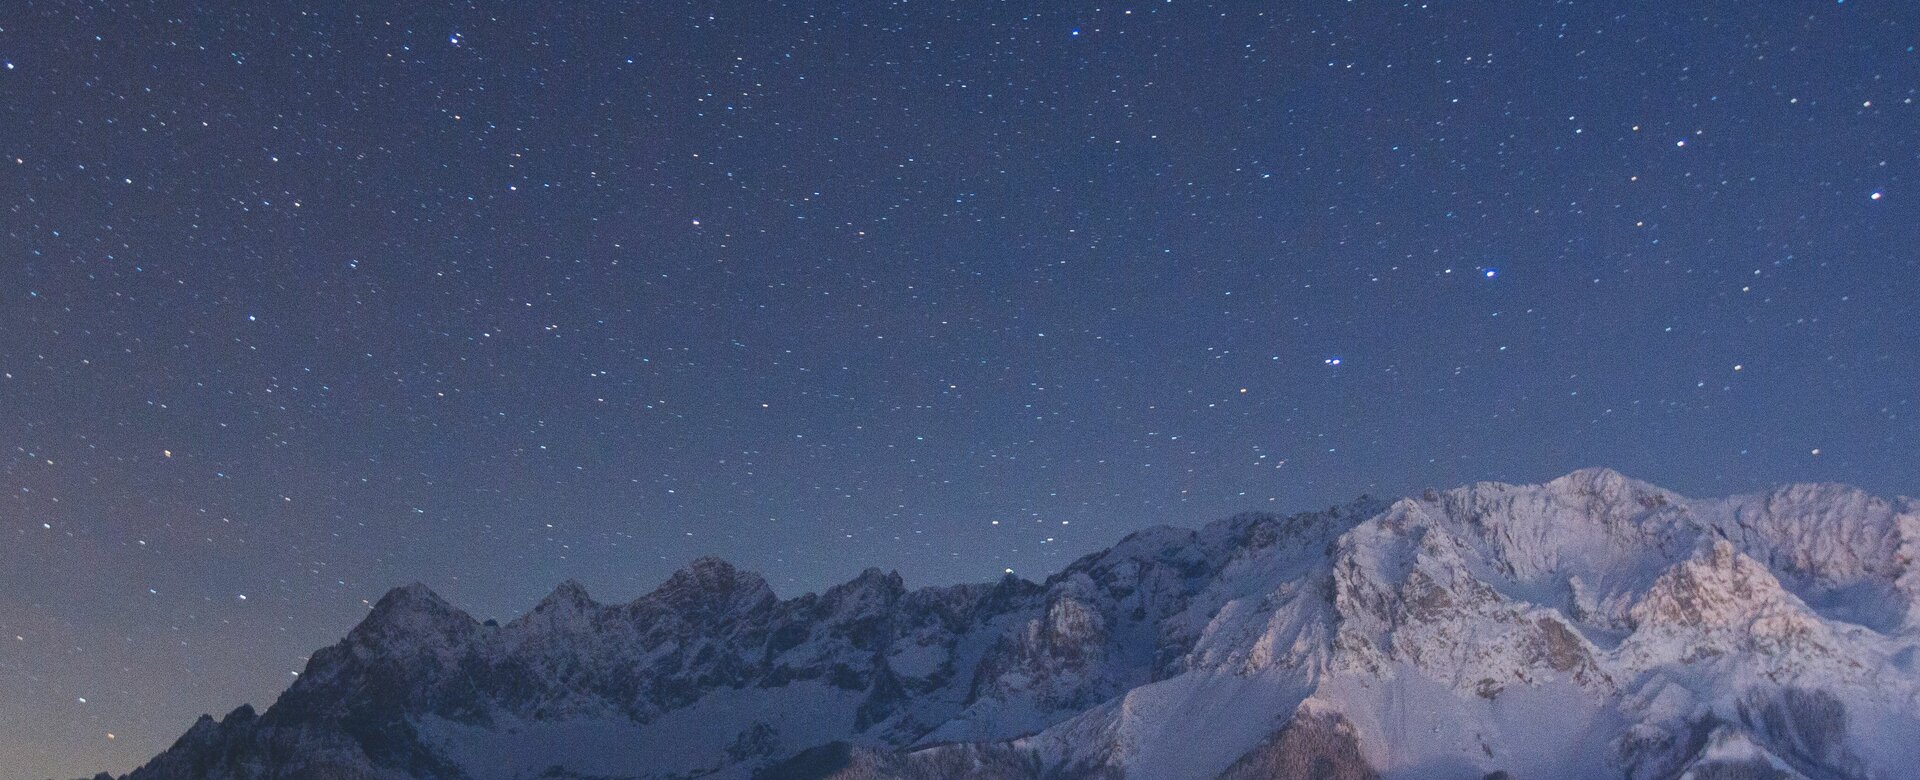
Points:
(1718, 587)
(1601, 481)
(711, 563)
(569, 594)
(411, 592)
(711, 581)
(412, 610)
(710, 570)
(413, 598)
(874, 575)
(872, 585)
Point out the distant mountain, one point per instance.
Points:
(1590, 627)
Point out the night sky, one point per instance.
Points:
(300, 303)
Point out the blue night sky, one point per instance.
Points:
(302, 301)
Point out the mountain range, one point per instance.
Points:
(1593, 626)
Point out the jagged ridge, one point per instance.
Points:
(1449, 635)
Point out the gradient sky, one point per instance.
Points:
(302, 301)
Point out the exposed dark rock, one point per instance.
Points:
(1311, 746)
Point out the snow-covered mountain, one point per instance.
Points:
(1590, 627)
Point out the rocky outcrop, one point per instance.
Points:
(1312, 746)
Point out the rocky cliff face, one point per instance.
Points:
(1593, 626)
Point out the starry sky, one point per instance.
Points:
(302, 301)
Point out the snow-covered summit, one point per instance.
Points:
(1639, 633)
